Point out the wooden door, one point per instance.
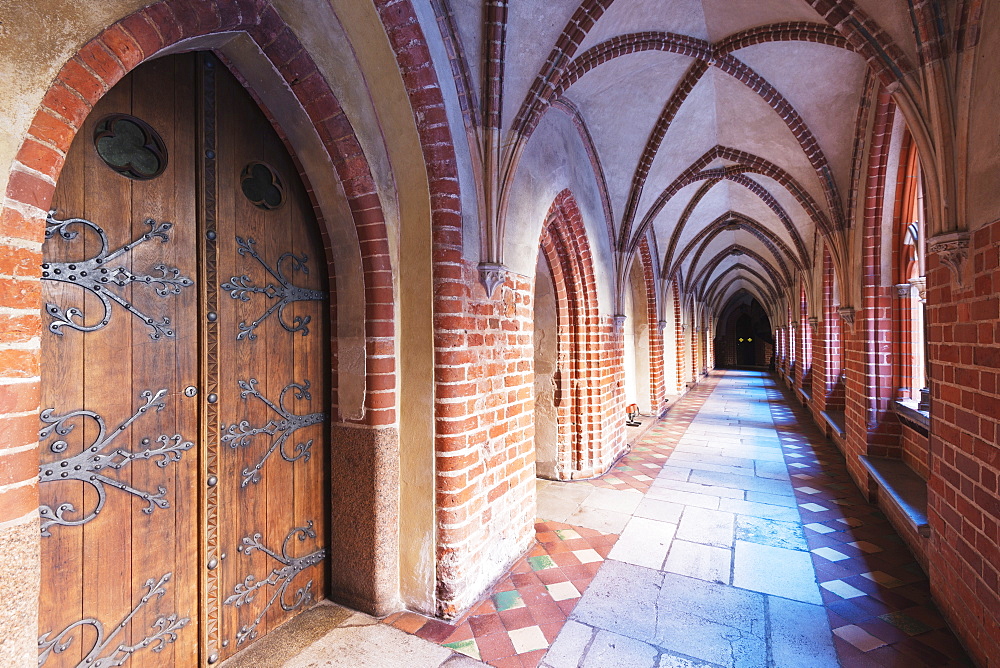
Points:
(268, 510)
(155, 400)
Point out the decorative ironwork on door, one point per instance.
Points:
(98, 273)
(241, 287)
(242, 434)
(280, 578)
(86, 466)
(165, 630)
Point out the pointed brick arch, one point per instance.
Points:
(82, 81)
(565, 247)
(657, 384)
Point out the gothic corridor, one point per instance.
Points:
(718, 541)
(554, 333)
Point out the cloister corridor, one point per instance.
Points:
(730, 535)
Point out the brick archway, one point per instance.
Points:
(657, 382)
(585, 410)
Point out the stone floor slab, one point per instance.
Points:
(644, 542)
(794, 637)
(622, 598)
(712, 564)
(610, 650)
(722, 625)
(708, 527)
(777, 571)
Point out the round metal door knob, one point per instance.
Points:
(212, 481)
(212, 563)
(213, 397)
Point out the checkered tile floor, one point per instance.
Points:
(639, 467)
(514, 626)
(876, 595)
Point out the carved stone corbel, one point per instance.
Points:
(903, 290)
(952, 249)
(619, 321)
(662, 324)
(847, 315)
(491, 275)
(813, 322)
(920, 283)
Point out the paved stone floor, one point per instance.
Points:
(748, 545)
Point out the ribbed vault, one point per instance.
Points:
(711, 125)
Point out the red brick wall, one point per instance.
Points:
(679, 338)
(964, 505)
(485, 386)
(915, 450)
(872, 429)
(590, 395)
(485, 432)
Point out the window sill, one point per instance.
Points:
(908, 414)
(905, 489)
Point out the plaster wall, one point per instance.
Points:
(546, 331)
(555, 159)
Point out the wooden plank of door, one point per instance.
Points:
(164, 96)
(106, 576)
(243, 506)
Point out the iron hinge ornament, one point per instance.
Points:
(166, 628)
(280, 578)
(86, 466)
(97, 274)
(241, 434)
(241, 287)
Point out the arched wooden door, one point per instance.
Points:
(185, 379)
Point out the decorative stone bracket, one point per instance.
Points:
(847, 315)
(952, 249)
(619, 321)
(813, 322)
(903, 290)
(662, 325)
(920, 283)
(491, 275)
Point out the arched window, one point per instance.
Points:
(911, 287)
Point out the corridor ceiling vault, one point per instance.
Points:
(721, 131)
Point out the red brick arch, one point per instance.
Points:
(82, 81)
(581, 410)
(657, 383)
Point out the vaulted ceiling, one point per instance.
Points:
(723, 131)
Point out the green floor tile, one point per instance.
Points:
(905, 623)
(508, 600)
(466, 647)
(541, 563)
